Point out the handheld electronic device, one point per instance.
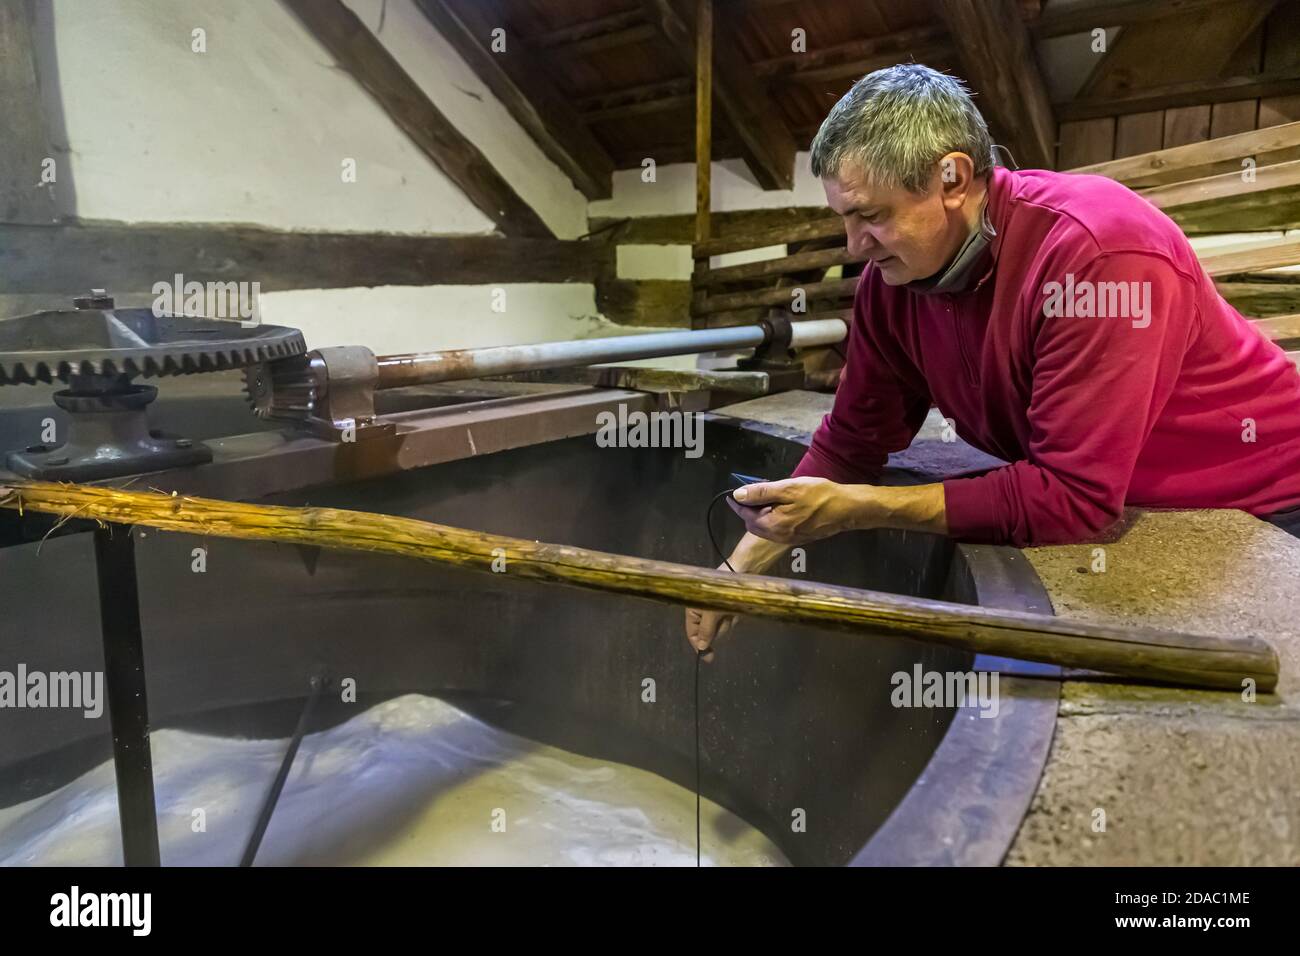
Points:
(740, 481)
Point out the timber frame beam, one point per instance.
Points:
(521, 83)
(129, 258)
(1058, 20)
(360, 53)
(998, 58)
(766, 143)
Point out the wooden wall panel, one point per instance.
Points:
(1186, 124)
(1235, 117)
(1086, 141)
(1139, 133)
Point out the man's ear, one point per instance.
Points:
(956, 175)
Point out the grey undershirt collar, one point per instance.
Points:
(966, 266)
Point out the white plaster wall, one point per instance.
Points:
(394, 319)
(673, 193)
(255, 131)
(673, 190)
(462, 97)
(391, 319)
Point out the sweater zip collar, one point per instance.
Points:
(968, 266)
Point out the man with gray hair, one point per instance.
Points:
(1059, 322)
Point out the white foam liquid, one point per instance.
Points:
(413, 781)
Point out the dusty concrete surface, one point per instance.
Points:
(1183, 777)
(1143, 774)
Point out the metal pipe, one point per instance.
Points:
(426, 368)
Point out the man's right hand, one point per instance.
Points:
(705, 627)
(753, 554)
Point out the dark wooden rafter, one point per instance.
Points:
(630, 157)
(767, 145)
(678, 229)
(1143, 55)
(24, 142)
(855, 57)
(641, 93)
(1061, 20)
(662, 104)
(998, 60)
(128, 258)
(602, 33)
(521, 83)
(361, 54)
(1173, 95)
(847, 60)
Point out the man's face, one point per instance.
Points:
(907, 235)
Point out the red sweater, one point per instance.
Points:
(1095, 405)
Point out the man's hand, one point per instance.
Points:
(751, 556)
(797, 510)
(705, 627)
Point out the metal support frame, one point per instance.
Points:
(124, 680)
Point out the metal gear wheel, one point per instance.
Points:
(102, 341)
(284, 390)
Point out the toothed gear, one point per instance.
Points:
(134, 343)
(285, 390)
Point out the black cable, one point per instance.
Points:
(698, 655)
(708, 525)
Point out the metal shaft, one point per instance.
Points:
(426, 368)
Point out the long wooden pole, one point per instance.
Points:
(1190, 659)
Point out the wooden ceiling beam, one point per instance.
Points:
(70, 258)
(899, 43)
(1173, 95)
(360, 53)
(938, 52)
(1057, 20)
(766, 144)
(578, 33)
(998, 60)
(641, 93)
(628, 36)
(524, 87)
(1143, 54)
(665, 104)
